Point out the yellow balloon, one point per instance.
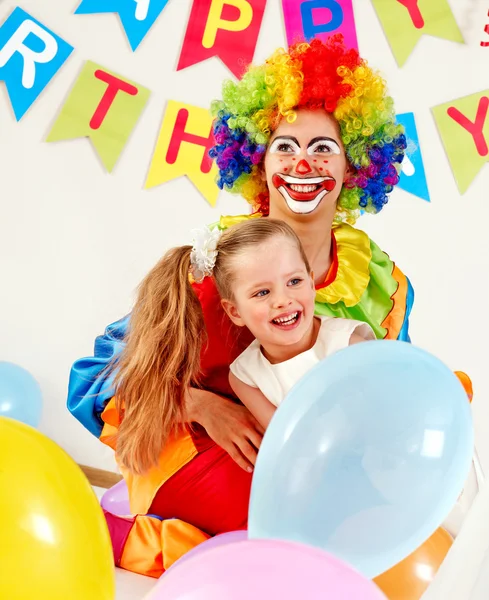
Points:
(54, 542)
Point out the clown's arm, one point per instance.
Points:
(254, 400)
(91, 385)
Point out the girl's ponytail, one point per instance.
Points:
(160, 362)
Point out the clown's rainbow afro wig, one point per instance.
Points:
(312, 75)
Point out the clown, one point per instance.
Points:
(310, 138)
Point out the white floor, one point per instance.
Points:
(129, 585)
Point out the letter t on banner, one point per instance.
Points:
(103, 107)
(183, 149)
(225, 28)
(308, 19)
(30, 56)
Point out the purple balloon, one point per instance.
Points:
(213, 542)
(116, 499)
(264, 570)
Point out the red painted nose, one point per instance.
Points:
(303, 167)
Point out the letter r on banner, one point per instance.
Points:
(183, 149)
(30, 56)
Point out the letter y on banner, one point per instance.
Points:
(30, 56)
(137, 16)
(183, 149)
(103, 107)
(463, 125)
(225, 28)
(405, 21)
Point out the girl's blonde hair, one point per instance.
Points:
(161, 359)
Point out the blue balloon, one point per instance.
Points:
(20, 395)
(365, 457)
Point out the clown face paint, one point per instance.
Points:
(305, 164)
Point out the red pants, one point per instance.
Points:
(208, 496)
(211, 492)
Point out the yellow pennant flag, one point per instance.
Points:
(464, 129)
(183, 148)
(104, 107)
(405, 21)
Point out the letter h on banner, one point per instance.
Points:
(30, 56)
(183, 149)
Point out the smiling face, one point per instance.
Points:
(305, 165)
(274, 298)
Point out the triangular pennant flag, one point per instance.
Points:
(413, 176)
(308, 19)
(463, 125)
(183, 149)
(30, 56)
(227, 29)
(137, 16)
(104, 107)
(405, 21)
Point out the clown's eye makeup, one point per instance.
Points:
(323, 146)
(285, 145)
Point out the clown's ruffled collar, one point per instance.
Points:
(349, 274)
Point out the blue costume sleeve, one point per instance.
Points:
(90, 386)
(404, 333)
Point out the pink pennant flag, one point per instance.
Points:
(308, 19)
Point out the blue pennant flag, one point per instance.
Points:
(137, 16)
(413, 176)
(30, 56)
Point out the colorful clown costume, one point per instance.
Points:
(196, 490)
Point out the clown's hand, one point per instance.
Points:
(230, 425)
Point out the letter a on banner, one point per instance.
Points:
(30, 56)
(137, 16)
(308, 19)
(183, 149)
(405, 21)
(463, 125)
(225, 28)
(103, 107)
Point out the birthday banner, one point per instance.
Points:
(405, 21)
(30, 56)
(137, 16)
(307, 19)
(463, 125)
(227, 29)
(104, 107)
(183, 149)
(413, 176)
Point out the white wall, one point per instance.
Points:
(74, 241)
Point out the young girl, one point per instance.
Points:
(266, 285)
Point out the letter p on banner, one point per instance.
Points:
(183, 149)
(30, 56)
(225, 28)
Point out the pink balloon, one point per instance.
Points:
(262, 570)
(213, 542)
(116, 499)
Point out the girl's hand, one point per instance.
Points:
(230, 425)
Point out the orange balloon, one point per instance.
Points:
(409, 579)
